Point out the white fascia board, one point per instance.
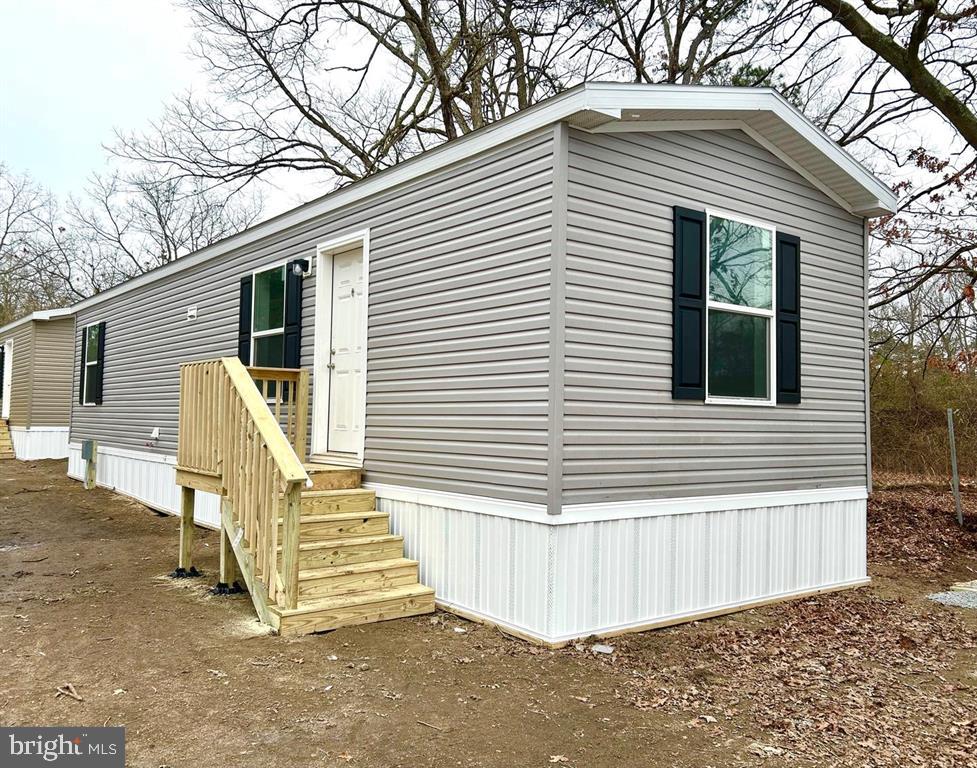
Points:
(640, 96)
(605, 98)
(40, 315)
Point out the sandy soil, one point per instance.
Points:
(877, 676)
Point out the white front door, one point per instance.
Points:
(341, 335)
(348, 317)
(8, 378)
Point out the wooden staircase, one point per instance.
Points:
(308, 541)
(6, 444)
(352, 570)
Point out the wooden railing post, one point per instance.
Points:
(290, 544)
(302, 415)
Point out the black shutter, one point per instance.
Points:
(3, 360)
(81, 376)
(689, 306)
(788, 319)
(96, 393)
(293, 316)
(244, 322)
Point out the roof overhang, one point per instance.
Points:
(599, 107)
(40, 315)
(762, 113)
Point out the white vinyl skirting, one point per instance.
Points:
(557, 578)
(35, 443)
(149, 478)
(562, 582)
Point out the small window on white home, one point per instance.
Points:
(268, 318)
(92, 364)
(740, 349)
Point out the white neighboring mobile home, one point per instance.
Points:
(36, 354)
(602, 362)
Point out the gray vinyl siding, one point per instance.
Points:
(21, 373)
(625, 438)
(458, 318)
(53, 351)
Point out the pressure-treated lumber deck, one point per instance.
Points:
(308, 541)
(6, 445)
(351, 569)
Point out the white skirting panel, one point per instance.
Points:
(34, 443)
(149, 478)
(559, 582)
(494, 567)
(613, 575)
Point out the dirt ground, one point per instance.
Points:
(870, 677)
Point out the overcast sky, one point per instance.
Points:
(74, 70)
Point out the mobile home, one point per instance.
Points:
(602, 364)
(36, 354)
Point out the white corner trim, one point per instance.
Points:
(573, 514)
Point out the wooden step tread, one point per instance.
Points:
(331, 517)
(354, 568)
(357, 598)
(351, 541)
(309, 493)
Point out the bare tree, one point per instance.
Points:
(52, 255)
(422, 72)
(24, 284)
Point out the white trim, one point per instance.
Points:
(573, 514)
(87, 364)
(282, 265)
(323, 336)
(770, 315)
(485, 505)
(628, 96)
(597, 97)
(655, 126)
(129, 453)
(7, 385)
(148, 478)
(39, 316)
(623, 510)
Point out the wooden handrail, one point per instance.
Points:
(228, 430)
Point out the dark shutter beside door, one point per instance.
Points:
(293, 316)
(689, 306)
(788, 319)
(244, 322)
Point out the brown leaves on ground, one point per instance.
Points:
(848, 680)
(917, 528)
(872, 677)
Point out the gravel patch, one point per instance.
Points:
(956, 599)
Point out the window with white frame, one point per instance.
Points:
(268, 318)
(92, 373)
(740, 306)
